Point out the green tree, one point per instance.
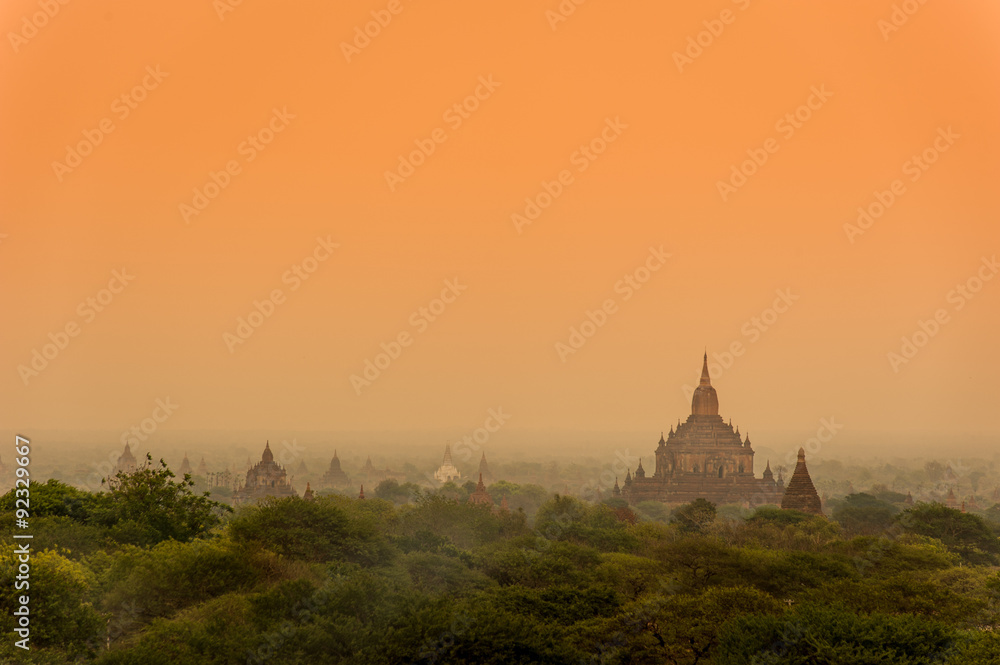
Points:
(58, 592)
(147, 507)
(390, 490)
(965, 534)
(53, 499)
(863, 514)
(832, 635)
(319, 530)
(694, 517)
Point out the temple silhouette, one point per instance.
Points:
(705, 458)
(265, 478)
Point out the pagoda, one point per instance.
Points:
(126, 461)
(484, 469)
(335, 476)
(185, 466)
(480, 497)
(801, 494)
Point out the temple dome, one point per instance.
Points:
(705, 401)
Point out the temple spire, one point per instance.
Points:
(706, 379)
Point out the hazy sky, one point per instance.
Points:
(631, 126)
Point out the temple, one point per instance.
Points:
(372, 476)
(335, 476)
(126, 461)
(704, 458)
(185, 466)
(484, 469)
(265, 478)
(480, 497)
(801, 494)
(447, 471)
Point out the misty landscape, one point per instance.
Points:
(568, 332)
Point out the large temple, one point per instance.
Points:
(703, 458)
(265, 478)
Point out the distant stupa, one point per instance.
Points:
(801, 494)
(185, 466)
(480, 497)
(126, 462)
(335, 476)
(484, 469)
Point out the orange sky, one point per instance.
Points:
(609, 67)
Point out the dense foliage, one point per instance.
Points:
(147, 573)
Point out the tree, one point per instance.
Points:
(864, 514)
(54, 499)
(694, 517)
(390, 490)
(147, 507)
(813, 633)
(319, 530)
(966, 534)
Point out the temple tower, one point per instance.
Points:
(801, 494)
